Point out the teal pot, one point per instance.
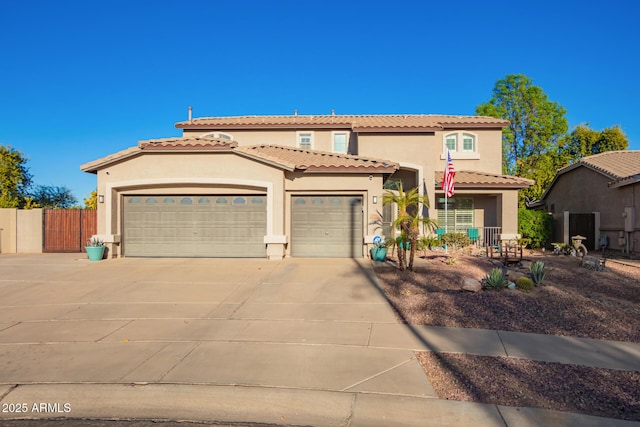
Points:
(401, 244)
(95, 253)
(379, 254)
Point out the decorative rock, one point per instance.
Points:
(471, 285)
(515, 275)
(594, 262)
(512, 285)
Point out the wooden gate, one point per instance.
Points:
(67, 230)
(584, 225)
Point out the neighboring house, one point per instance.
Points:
(274, 186)
(595, 197)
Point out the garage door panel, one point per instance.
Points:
(326, 226)
(194, 226)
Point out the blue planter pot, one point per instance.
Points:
(95, 253)
(379, 254)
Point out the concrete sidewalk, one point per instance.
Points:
(301, 342)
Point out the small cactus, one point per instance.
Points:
(524, 283)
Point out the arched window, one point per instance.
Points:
(461, 145)
(451, 142)
(219, 135)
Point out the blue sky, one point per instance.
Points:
(82, 79)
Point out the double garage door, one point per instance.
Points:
(195, 226)
(235, 226)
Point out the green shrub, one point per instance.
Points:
(428, 242)
(538, 272)
(495, 279)
(524, 283)
(536, 226)
(456, 240)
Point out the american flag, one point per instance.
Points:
(449, 174)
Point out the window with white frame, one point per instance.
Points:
(451, 142)
(468, 142)
(461, 145)
(459, 214)
(305, 140)
(340, 143)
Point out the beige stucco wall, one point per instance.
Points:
(419, 154)
(20, 231)
(225, 173)
(8, 236)
(424, 153)
(508, 208)
(428, 150)
(187, 173)
(322, 139)
(583, 190)
(496, 209)
(29, 231)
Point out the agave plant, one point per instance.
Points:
(537, 272)
(495, 279)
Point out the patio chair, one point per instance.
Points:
(473, 234)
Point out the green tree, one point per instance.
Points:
(536, 125)
(584, 141)
(53, 196)
(409, 220)
(536, 226)
(91, 202)
(14, 178)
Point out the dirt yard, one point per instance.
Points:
(573, 301)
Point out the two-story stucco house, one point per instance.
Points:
(294, 185)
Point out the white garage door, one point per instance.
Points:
(326, 226)
(195, 226)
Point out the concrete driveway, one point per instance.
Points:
(297, 325)
(293, 342)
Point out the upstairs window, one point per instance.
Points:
(340, 142)
(305, 140)
(468, 142)
(451, 142)
(461, 145)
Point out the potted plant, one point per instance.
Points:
(95, 249)
(379, 251)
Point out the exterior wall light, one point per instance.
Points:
(100, 198)
(375, 200)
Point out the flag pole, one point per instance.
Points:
(446, 202)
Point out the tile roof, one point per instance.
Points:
(358, 123)
(316, 161)
(473, 179)
(93, 166)
(617, 165)
(621, 167)
(163, 144)
(189, 143)
(285, 157)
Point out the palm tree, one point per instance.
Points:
(409, 220)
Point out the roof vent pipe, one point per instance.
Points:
(295, 112)
(333, 112)
(190, 114)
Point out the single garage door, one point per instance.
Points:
(326, 226)
(195, 226)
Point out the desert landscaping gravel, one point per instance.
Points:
(517, 382)
(572, 301)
